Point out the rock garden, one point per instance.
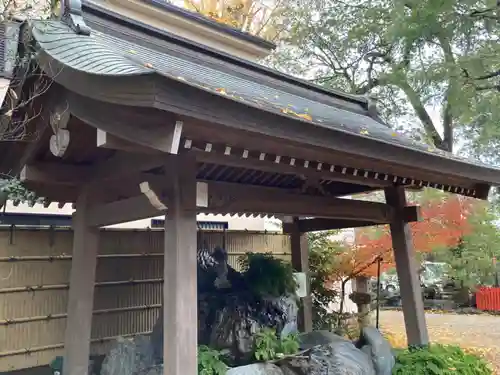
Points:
(248, 326)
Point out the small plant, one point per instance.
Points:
(268, 346)
(210, 362)
(289, 344)
(268, 276)
(439, 360)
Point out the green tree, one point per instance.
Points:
(472, 262)
(436, 61)
(323, 256)
(12, 189)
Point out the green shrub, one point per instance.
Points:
(210, 362)
(439, 360)
(268, 346)
(267, 276)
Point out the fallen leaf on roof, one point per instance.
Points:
(394, 134)
(148, 65)
(364, 132)
(305, 116)
(132, 51)
(221, 91)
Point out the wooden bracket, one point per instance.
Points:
(59, 141)
(152, 196)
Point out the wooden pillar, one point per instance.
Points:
(300, 262)
(407, 269)
(180, 328)
(81, 291)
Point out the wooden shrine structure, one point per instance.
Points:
(138, 123)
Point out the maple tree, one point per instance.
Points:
(444, 222)
(257, 17)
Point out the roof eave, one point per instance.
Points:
(93, 8)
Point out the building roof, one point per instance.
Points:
(170, 8)
(165, 72)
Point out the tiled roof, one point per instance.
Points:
(103, 54)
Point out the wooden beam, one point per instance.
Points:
(55, 174)
(136, 208)
(107, 140)
(160, 133)
(81, 292)
(236, 198)
(229, 197)
(180, 273)
(121, 211)
(116, 167)
(407, 269)
(410, 214)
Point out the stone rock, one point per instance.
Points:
(311, 339)
(290, 308)
(256, 369)
(229, 313)
(337, 358)
(229, 321)
(129, 357)
(156, 370)
(379, 349)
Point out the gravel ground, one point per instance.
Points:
(477, 332)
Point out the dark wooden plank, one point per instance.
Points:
(410, 214)
(407, 269)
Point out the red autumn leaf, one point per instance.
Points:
(443, 223)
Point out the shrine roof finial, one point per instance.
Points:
(72, 15)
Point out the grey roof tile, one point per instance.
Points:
(104, 54)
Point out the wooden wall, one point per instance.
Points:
(34, 276)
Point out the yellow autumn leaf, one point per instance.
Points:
(305, 116)
(221, 91)
(364, 132)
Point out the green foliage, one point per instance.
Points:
(439, 360)
(268, 346)
(289, 344)
(210, 362)
(268, 276)
(419, 58)
(13, 189)
(323, 255)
